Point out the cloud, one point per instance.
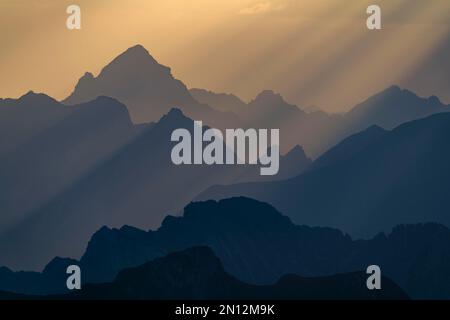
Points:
(261, 8)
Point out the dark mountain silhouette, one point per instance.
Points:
(196, 273)
(9, 296)
(392, 107)
(318, 131)
(258, 245)
(52, 153)
(349, 147)
(292, 164)
(51, 279)
(387, 109)
(224, 102)
(270, 110)
(147, 88)
(311, 109)
(402, 177)
(21, 119)
(84, 184)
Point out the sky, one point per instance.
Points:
(313, 52)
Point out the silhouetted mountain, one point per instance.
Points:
(392, 107)
(220, 101)
(270, 103)
(7, 296)
(258, 245)
(292, 164)
(196, 273)
(349, 147)
(53, 152)
(147, 88)
(52, 279)
(21, 119)
(402, 177)
(318, 131)
(137, 185)
(270, 110)
(311, 109)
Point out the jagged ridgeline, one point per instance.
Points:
(257, 245)
(102, 157)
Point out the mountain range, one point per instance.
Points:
(147, 88)
(197, 274)
(94, 167)
(258, 245)
(394, 177)
(149, 91)
(318, 131)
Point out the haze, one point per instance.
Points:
(312, 52)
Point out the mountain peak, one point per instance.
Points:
(58, 264)
(297, 151)
(374, 128)
(37, 98)
(174, 118)
(135, 55)
(134, 66)
(86, 78)
(174, 113)
(396, 91)
(393, 88)
(137, 50)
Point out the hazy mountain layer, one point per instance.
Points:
(258, 245)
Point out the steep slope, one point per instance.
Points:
(224, 102)
(137, 185)
(258, 245)
(21, 119)
(402, 177)
(392, 107)
(348, 147)
(65, 144)
(196, 273)
(292, 164)
(147, 88)
(313, 131)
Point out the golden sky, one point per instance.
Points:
(313, 52)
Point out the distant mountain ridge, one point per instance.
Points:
(149, 91)
(258, 245)
(348, 147)
(225, 102)
(401, 176)
(53, 146)
(392, 107)
(196, 273)
(67, 169)
(147, 88)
